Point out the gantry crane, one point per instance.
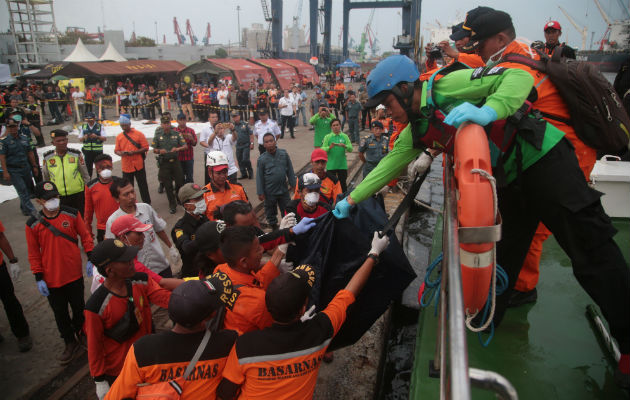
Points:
(583, 30)
(180, 37)
(190, 33)
(206, 39)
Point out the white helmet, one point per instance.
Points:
(215, 158)
(380, 107)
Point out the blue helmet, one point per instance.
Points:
(387, 74)
(89, 115)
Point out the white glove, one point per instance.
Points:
(174, 254)
(419, 166)
(288, 221)
(14, 270)
(309, 314)
(102, 388)
(284, 247)
(379, 244)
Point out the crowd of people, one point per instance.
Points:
(226, 324)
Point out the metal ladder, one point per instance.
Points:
(451, 352)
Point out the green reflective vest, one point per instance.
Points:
(64, 171)
(92, 144)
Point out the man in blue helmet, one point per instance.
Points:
(541, 178)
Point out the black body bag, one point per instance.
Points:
(336, 248)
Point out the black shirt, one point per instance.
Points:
(183, 235)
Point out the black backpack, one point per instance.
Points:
(597, 113)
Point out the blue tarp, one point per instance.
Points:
(348, 64)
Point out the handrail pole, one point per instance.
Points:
(458, 352)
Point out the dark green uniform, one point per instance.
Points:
(374, 150)
(169, 167)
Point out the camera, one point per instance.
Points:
(435, 52)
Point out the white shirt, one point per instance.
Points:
(225, 145)
(78, 96)
(222, 95)
(288, 110)
(206, 131)
(122, 92)
(261, 128)
(151, 254)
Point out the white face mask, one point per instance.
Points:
(106, 173)
(52, 204)
(491, 61)
(200, 207)
(311, 198)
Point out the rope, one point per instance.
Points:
(493, 288)
(431, 287)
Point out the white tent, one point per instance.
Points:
(111, 54)
(80, 54)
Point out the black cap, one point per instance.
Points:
(483, 23)
(111, 250)
(165, 119)
(193, 301)
(378, 124)
(262, 111)
(46, 190)
(58, 133)
(288, 292)
(458, 33)
(208, 235)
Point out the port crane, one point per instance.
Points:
(583, 30)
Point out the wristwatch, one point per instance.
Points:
(374, 257)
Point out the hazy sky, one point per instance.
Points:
(528, 16)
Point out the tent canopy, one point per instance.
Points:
(205, 67)
(285, 74)
(244, 71)
(348, 64)
(47, 71)
(304, 68)
(80, 54)
(124, 68)
(111, 54)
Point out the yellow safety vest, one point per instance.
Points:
(64, 171)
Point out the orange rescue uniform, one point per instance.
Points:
(281, 362)
(135, 162)
(99, 201)
(329, 190)
(215, 198)
(146, 365)
(250, 311)
(55, 257)
(105, 309)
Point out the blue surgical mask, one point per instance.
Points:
(491, 61)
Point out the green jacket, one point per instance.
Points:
(504, 90)
(322, 128)
(337, 155)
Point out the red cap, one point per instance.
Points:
(552, 25)
(319, 154)
(220, 167)
(128, 223)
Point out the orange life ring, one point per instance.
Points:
(475, 208)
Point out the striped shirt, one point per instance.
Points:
(188, 154)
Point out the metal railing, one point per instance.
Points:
(451, 358)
